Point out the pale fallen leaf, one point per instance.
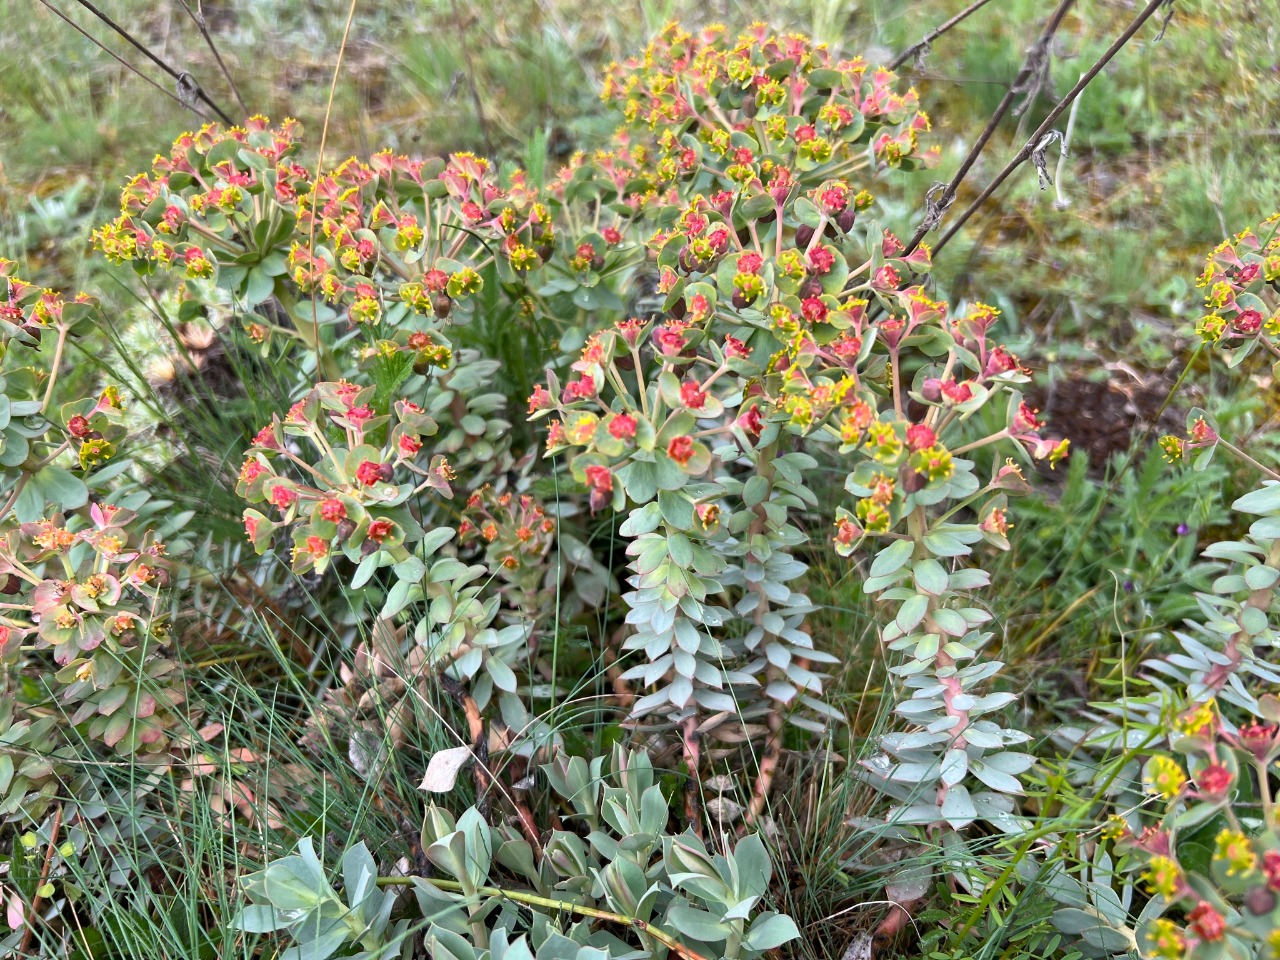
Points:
(859, 948)
(443, 769)
(367, 754)
(15, 912)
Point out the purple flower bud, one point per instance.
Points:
(911, 481)
(1183, 529)
(1260, 901)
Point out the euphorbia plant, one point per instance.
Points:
(1226, 656)
(1209, 772)
(372, 243)
(793, 331)
(788, 321)
(348, 500)
(1205, 721)
(81, 579)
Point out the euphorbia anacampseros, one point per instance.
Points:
(788, 318)
(787, 321)
(1204, 718)
(358, 274)
(376, 243)
(81, 578)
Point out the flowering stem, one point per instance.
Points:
(326, 481)
(1240, 454)
(842, 170)
(773, 743)
(212, 237)
(964, 503)
(931, 418)
(817, 236)
(615, 378)
(53, 368)
(719, 115)
(719, 372)
(42, 463)
(44, 878)
(13, 497)
(323, 444)
(394, 263)
(713, 431)
(854, 272)
(986, 441)
(897, 383)
(1264, 794)
(23, 571)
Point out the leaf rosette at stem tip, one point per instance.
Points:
(348, 492)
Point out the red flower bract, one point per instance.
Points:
(369, 472)
(814, 310)
(599, 478)
(1214, 779)
(1207, 923)
(920, 436)
(692, 395)
(622, 427)
(283, 497)
(680, 449)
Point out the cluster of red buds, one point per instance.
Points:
(1241, 280)
(380, 241)
(761, 110)
(514, 528)
(27, 310)
(87, 589)
(350, 494)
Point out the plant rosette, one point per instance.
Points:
(350, 495)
